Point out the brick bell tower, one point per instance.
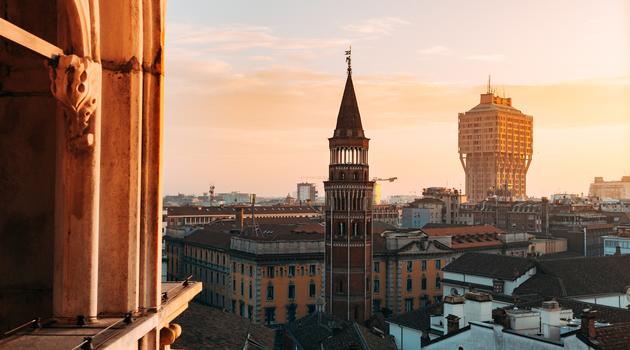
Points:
(348, 253)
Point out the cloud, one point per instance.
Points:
(486, 57)
(435, 50)
(238, 37)
(260, 58)
(376, 26)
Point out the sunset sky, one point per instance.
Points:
(253, 88)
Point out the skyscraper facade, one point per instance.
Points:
(348, 252)
(495, 148)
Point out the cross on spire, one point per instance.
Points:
(349, 59)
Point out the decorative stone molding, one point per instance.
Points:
(76, 83)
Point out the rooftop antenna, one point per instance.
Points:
(349, 59)
(489, 90)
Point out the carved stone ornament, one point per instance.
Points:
(76, 83)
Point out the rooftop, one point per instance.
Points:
(579, 276)
(322, 331)
(490, 265)
(454, 230)
(210, 328)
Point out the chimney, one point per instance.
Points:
(452, 324)
(499, 317)
(454, 306)
(478, 307)
(239, 218)
(587, 327)
(550, 319)
(424, 338)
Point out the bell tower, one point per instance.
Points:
(348, 278)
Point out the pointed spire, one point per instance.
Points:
(349, 119)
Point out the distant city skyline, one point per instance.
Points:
(252, 89)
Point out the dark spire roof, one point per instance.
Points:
(349, 119)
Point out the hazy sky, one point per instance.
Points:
(253, 88)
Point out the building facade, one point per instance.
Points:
(348, 213)
(495, 148)
(270, 275)
(306, 193)
(610, 189)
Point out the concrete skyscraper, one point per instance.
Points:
(348, 258)
(495, 148)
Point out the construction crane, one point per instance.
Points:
(389, 179)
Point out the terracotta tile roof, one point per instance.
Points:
(615, 337)
(232, 210)
(490, 265)
(451, 230)
(205, 327)
(219, 234)
(320, 330)
(479, 244)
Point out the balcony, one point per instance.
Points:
(124, 332)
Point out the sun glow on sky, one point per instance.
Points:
(253, 88)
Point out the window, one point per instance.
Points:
(377, 266)
(409, 266)
(242, 288)
(497, 286)
(270, 292)
(376, 305)
(233, 306)
(340, 286)
(291, 291)
(312, 270)
(424, 265)
(437, 282)
(270, 271)
(291, 270)
(270, 315)
(424, 300)
(355, 228)
(234, 266)
(291, 312)
(251, 271)
(250, 289)
(342, 228)
(250, 312)
(242, 269)
(409, 284)
(377, 286)
(409, 304)
(424, 283)
(311, 308)
(241, 309)
(311, 290)
(438, 264)
(234, 285)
